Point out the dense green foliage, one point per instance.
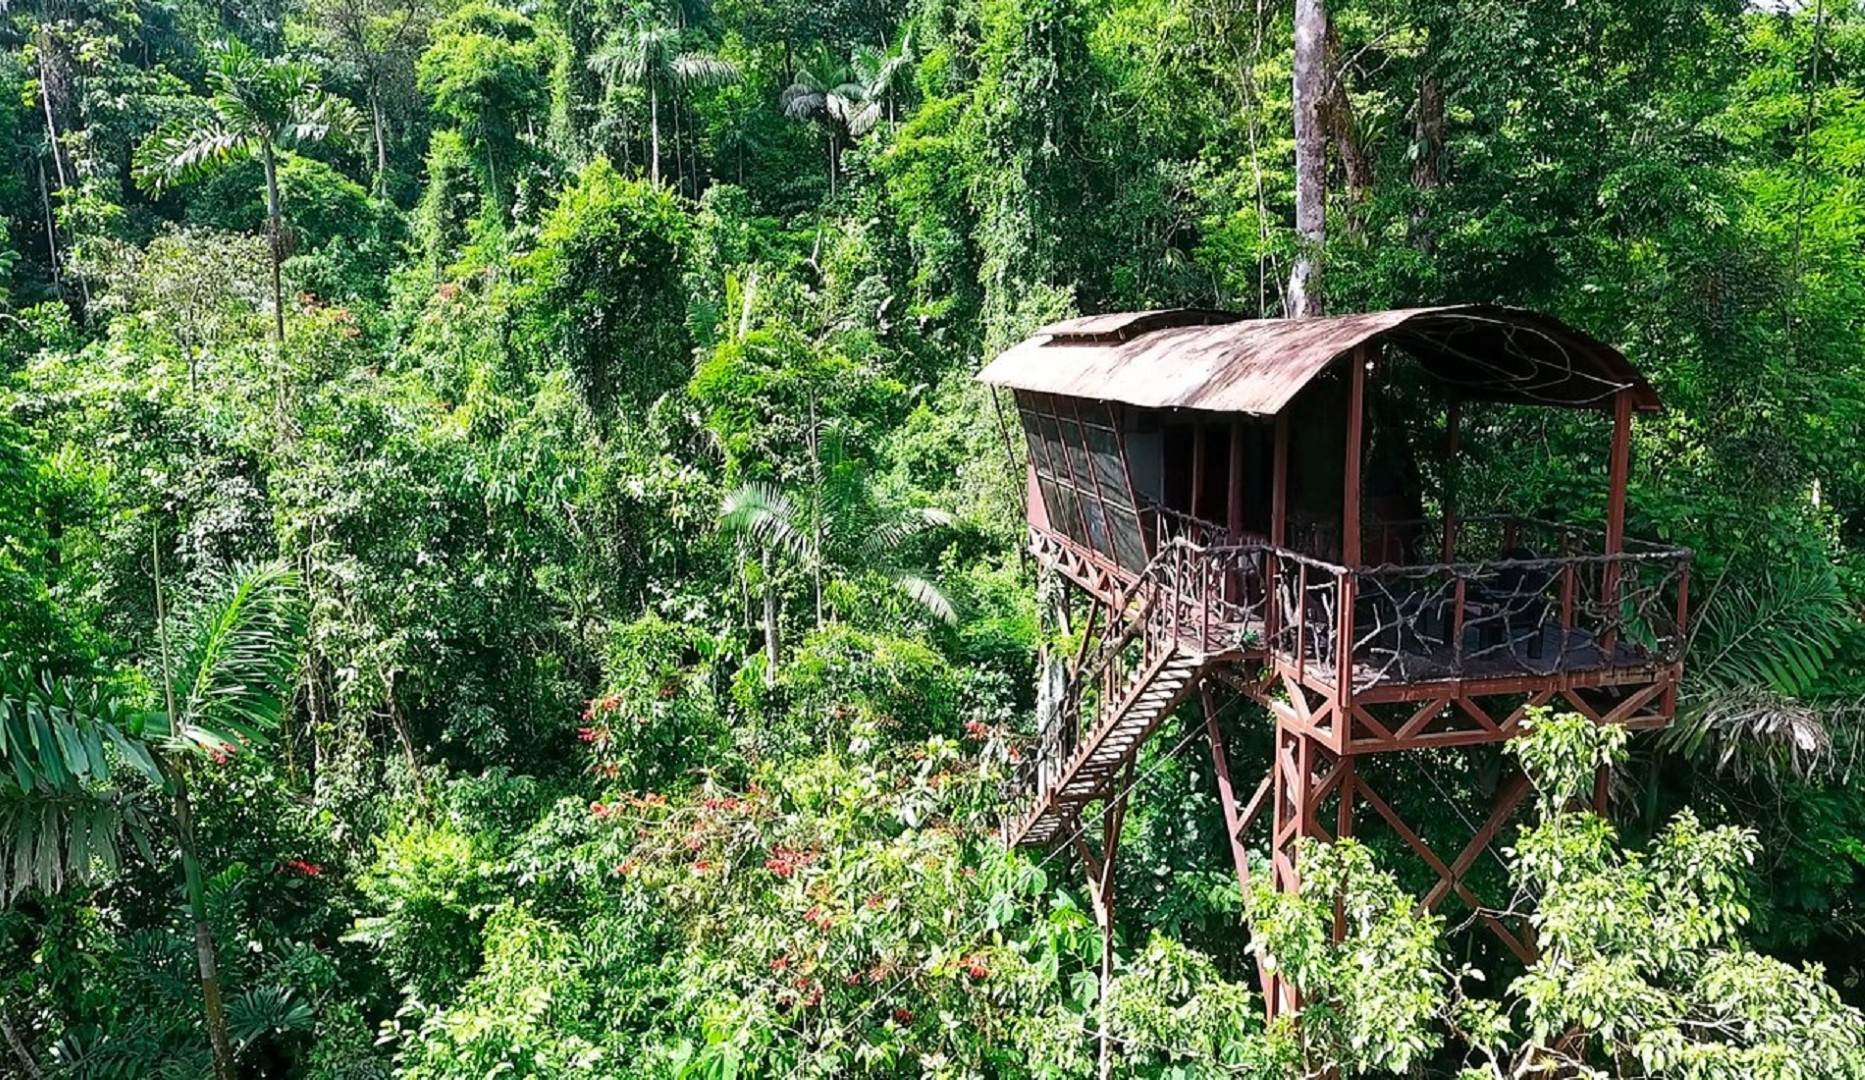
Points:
(501, 551)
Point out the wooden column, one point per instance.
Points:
(1620, 470)
(1279, 496)
(1453, 450)
(1356, 430)
(1198, 456)
(1350, 533)
(1234, 522)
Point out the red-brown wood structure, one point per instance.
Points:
(1239, 508)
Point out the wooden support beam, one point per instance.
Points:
(1620, 471)
(1226, 794)
(1356, 432)
(1453, 450)
(1198, 459)
(1234, 515)
(1279, 496)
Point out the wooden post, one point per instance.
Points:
(1226, 794)
(1618, 475)
(1350, 523)
(1621, 469)
(1198, 437)
(1356, 421)
(1453, 449)
(1234, 519)
(1279, 496)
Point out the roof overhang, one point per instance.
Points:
(1215, 361)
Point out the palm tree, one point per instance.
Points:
(649, 56)
(62, 818)
(261, 107)
(879, 73)
(829, 535)
(835, 102)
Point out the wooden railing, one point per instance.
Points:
(1485, 619)
(1549, 600)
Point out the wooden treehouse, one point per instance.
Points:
(1269, 508)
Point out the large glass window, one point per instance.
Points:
(1083, 478)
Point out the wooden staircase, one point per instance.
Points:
(1166, 674)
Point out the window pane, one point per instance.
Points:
(1110, 474)
(1097, 526)
(1077, 453)
(1065, 514)
(1052, 445)
(1129, 542)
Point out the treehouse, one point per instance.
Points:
(1270, 509)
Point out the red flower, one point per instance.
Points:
(818, 918)
(853, 978)
(305, 868)
(901, 1016)
(872, 902)
(587, 734)
(700, 866)
(779, 963)
(597, 809)
(625, 867)
(785, 861)
(974, 966)
(976, 730)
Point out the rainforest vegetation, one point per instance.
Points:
(505, 569)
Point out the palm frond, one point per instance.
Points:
(884, 539)
(765, 514)
(701, 70)
(53, 734)
(318, 116)
(266, 1010)
(183, 151)
(929, 596)
(238, 647)
(1751, 732)
(1776, 632)
(802, 102)
(861, 116)
(51, 839)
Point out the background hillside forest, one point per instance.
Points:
(505, 570)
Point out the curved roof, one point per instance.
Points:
(1213, 360)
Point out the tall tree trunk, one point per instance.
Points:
(771, 645)
(376, 123)
(51, 229)
(205, 956)
(20, 1050)
(1428, 159)
(204, 952)
(276, 246)
(654, 133)
(1355, 161)
(1305, 294)
(275, 226)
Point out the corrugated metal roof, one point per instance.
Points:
(1195, 359)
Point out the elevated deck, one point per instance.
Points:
(1368, 658)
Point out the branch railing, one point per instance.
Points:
(1514, 615)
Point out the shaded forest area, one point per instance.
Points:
(504, 569)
